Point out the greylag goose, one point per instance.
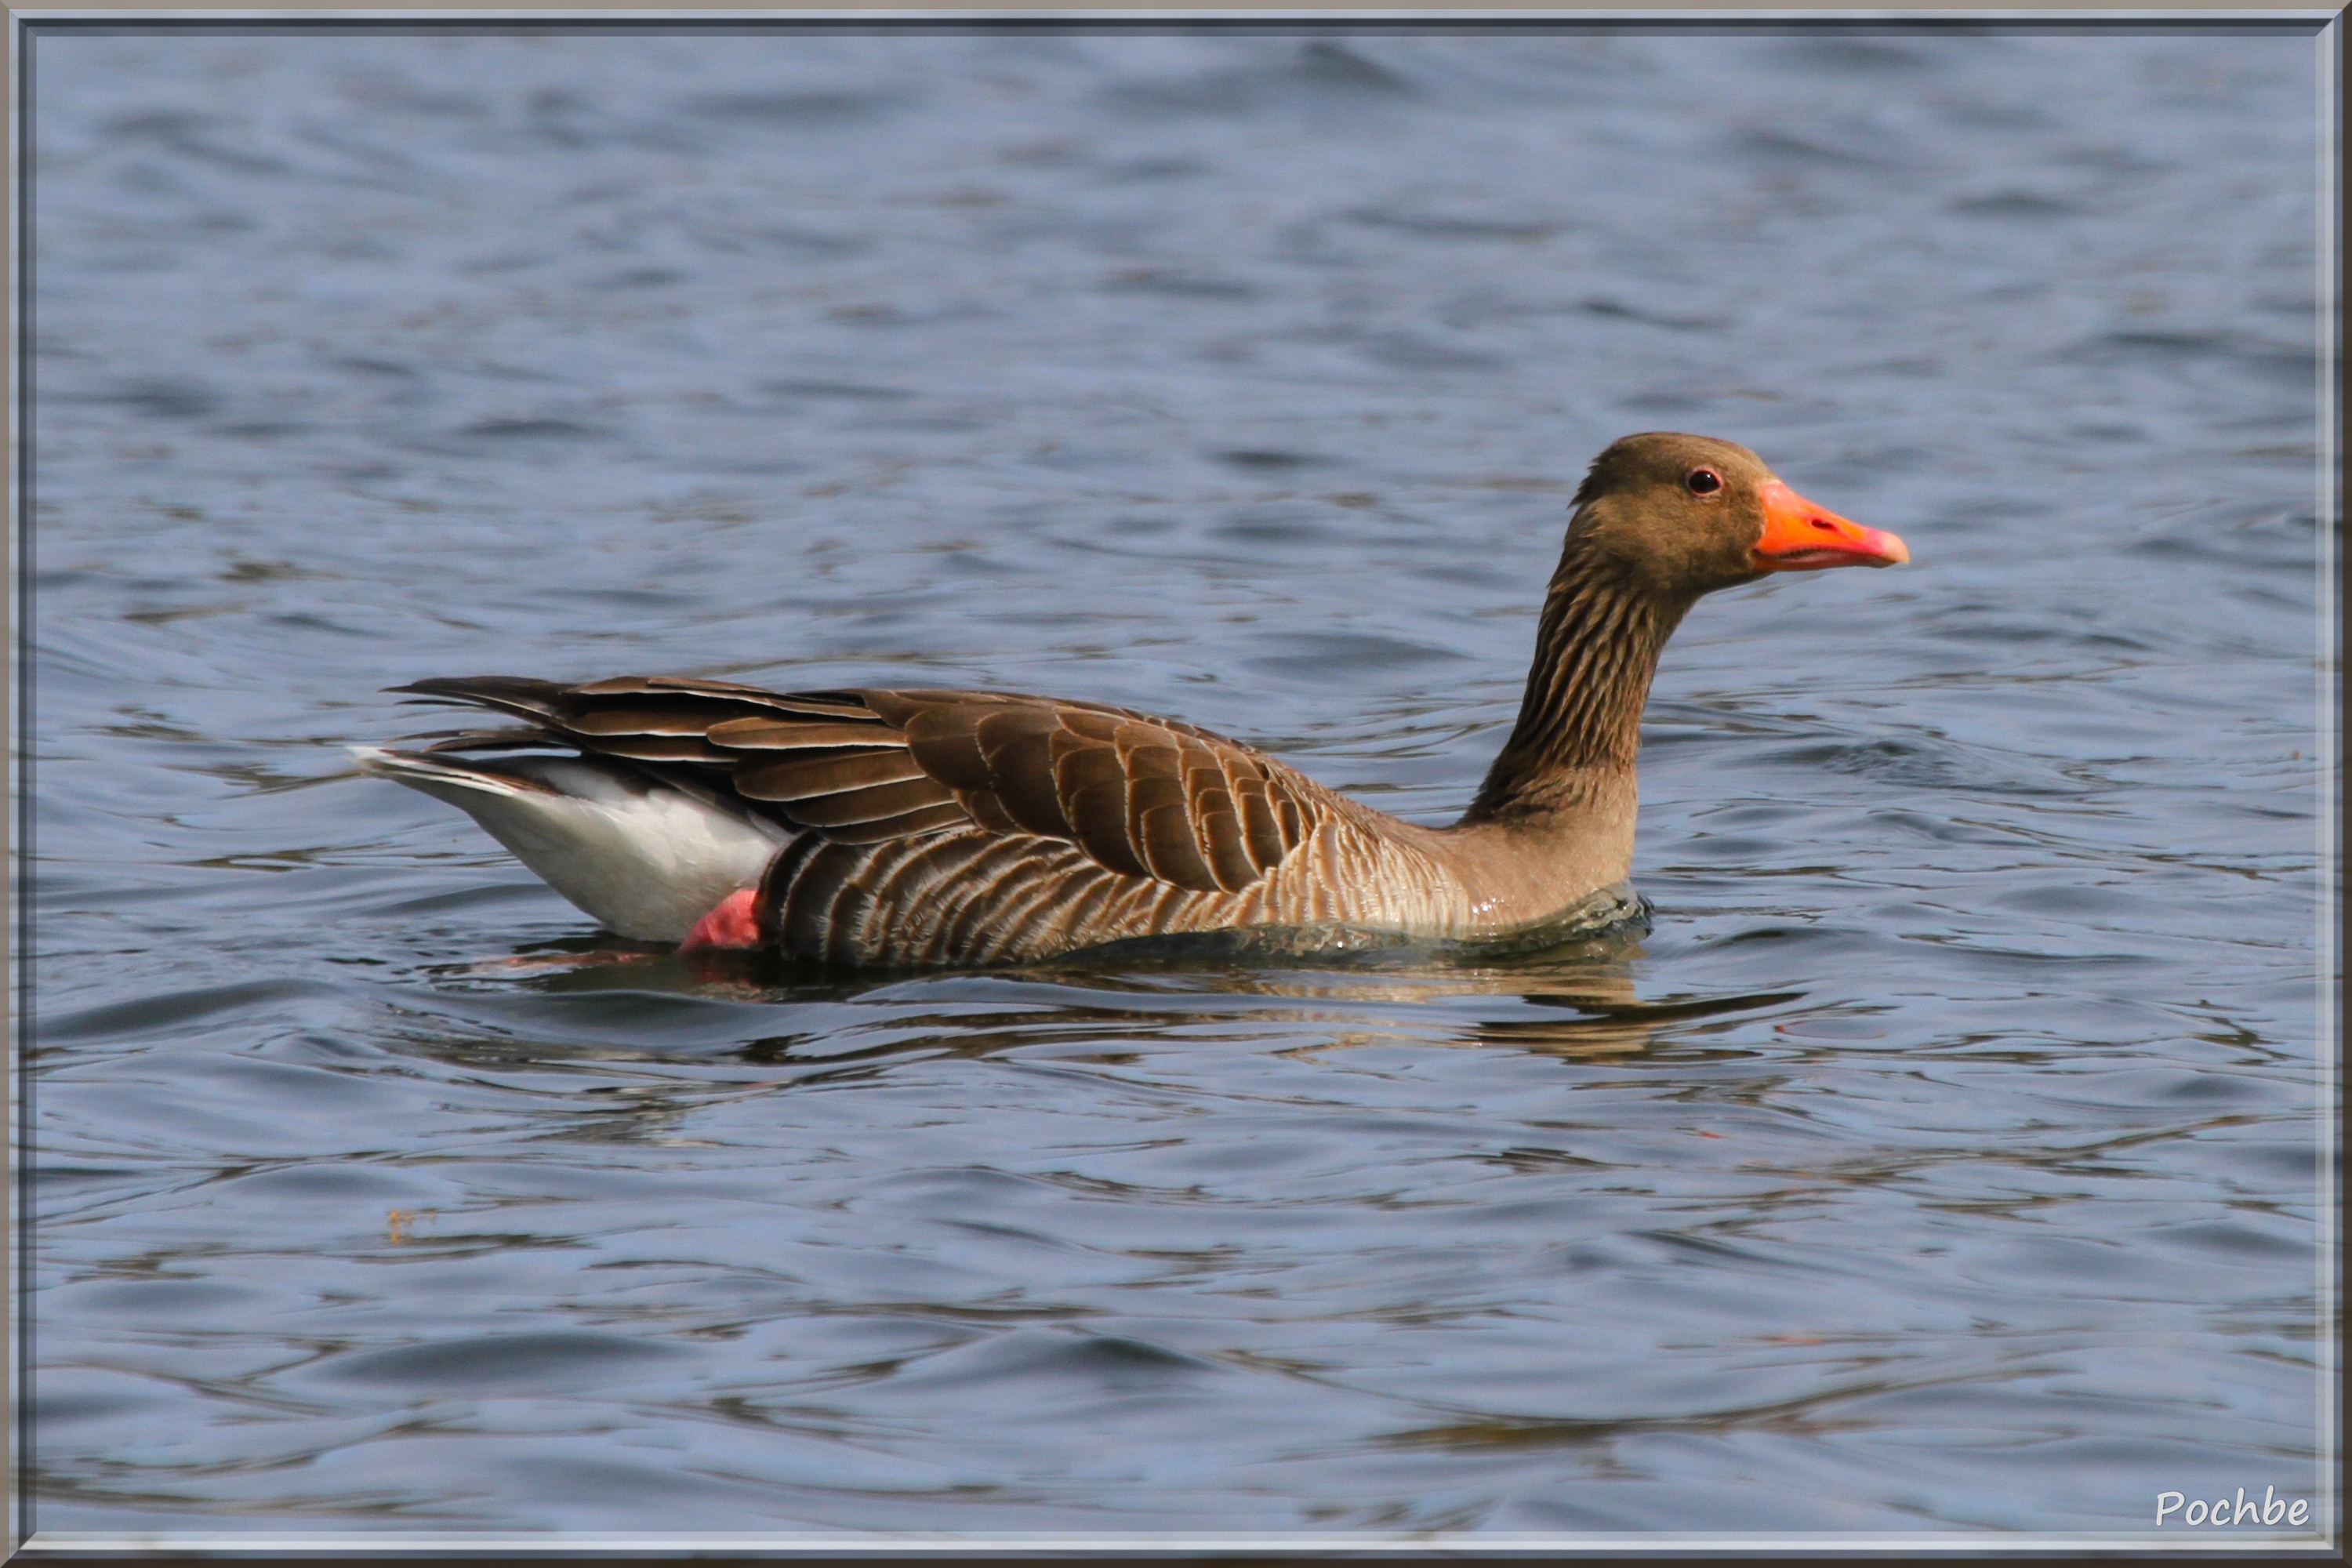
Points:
(888, 827)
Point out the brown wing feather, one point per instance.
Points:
(1141, 797)
(826, 761)
(1215, 820)
(768, 733)
(807, 777)
(1016, 746)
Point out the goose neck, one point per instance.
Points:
(1580, 725)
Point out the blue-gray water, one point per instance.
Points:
(1946, 1157)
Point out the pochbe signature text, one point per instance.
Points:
(2242, 1509)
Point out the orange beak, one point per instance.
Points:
(1801, 537)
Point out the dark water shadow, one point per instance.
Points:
(1575, 999)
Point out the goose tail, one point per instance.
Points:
(645, 859)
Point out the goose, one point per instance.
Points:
(905, 827)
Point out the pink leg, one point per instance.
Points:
(732, 924)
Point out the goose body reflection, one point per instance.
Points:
(1574, 999)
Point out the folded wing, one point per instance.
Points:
(1141, 797)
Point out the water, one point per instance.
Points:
(1947, 1158)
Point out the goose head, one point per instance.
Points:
(1684, 515)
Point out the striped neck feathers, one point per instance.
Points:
(1597, 645)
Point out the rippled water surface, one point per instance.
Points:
(1944, 1158)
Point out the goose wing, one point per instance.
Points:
(1137, 795)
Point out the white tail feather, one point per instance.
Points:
(646, 860)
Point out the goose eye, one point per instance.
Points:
(1703, 482)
